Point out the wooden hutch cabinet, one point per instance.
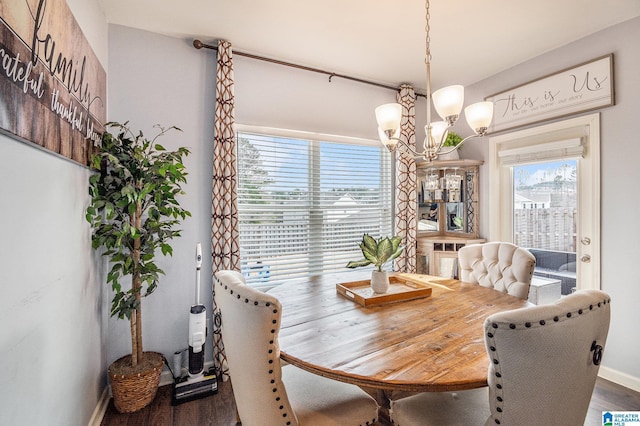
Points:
(448, 194)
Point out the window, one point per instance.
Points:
(304, 202)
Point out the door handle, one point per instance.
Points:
(586, 258)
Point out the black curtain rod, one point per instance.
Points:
(199, 45)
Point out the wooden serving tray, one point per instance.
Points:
(399, 289)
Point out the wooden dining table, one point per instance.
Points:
(392, 350)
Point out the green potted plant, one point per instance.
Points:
(452, 140)
(134, 213)
(378, 253)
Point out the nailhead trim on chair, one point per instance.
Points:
(271, 351)
(527, 324)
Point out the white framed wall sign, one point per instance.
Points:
(584, 87)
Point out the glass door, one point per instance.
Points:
(545, 217)
(544, 194)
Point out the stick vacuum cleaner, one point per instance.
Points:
(197, 383)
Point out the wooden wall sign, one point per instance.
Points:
(52, 86)
(584, 87)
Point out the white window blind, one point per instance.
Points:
(550, 151)
(305, 204)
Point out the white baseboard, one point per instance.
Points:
(166, 378)
(623, 379)
(101, 408)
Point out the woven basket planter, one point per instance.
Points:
(133, 391)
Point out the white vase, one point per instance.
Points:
(380, 281)
(453, 155)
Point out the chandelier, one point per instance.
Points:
(447, 101)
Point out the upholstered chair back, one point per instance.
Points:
(499, 265)
(544, 360)
(250, 326)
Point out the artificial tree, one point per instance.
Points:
(134, 212)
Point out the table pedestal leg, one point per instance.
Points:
(384, 404)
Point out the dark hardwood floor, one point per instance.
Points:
(608, 396)
(219, 409)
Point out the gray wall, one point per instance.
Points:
(620, 175)
(276, 96)
(155, 79)
(51, 346)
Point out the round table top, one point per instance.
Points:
(435, 343)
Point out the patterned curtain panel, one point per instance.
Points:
(406, 183)
(224, 211)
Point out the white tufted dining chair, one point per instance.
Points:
(499, 265)
(265, 393)
(543, 365)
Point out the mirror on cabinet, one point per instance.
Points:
(448, 198)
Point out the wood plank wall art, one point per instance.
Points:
(52, 86)
(584, 87)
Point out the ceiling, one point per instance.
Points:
(381, 41)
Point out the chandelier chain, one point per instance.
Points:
(427, 61)
(427, 29)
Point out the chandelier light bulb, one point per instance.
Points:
(389, 143)
(389, 117)
(438, 134)
(479, 116)
(448, 102)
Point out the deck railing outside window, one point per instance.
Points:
(304, 205)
